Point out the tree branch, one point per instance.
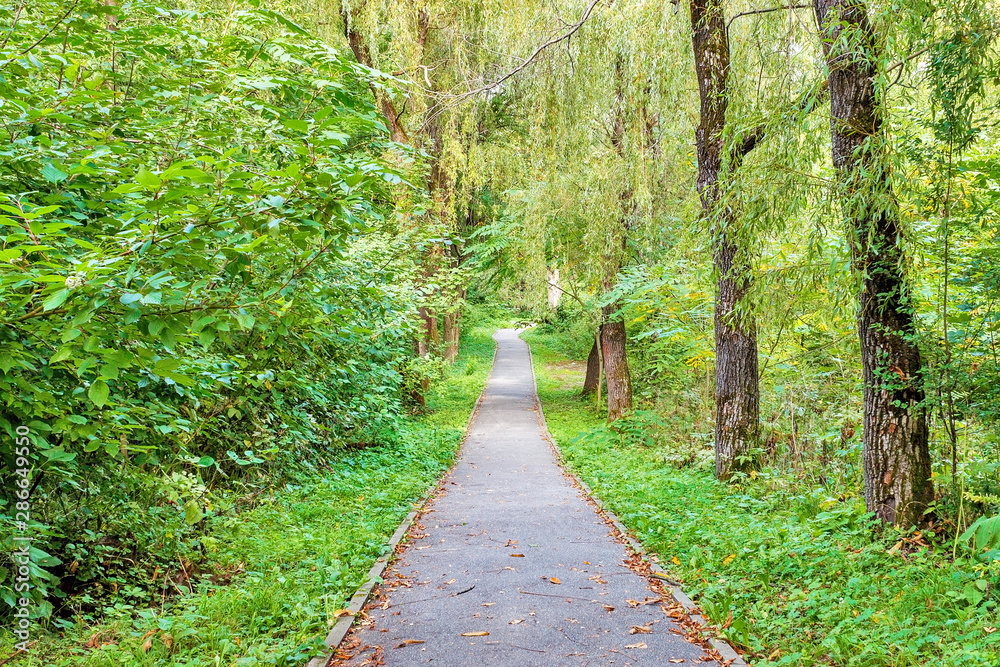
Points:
(537, 52)
(765, 11)
(750, 139)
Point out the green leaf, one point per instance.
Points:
(61, 354)
(148, 180)
(98, 393)
(192, 513)
(55, 300)
(53, 174)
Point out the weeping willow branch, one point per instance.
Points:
(765, 11)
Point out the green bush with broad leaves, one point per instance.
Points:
(202, 279)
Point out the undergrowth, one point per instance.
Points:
(273, 576)
(794, 576)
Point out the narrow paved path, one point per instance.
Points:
(513, 550)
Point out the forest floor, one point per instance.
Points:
(510, 565)
(789, 575)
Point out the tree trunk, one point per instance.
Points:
(613, 349)
(737, 395)
(363, 55)
(451, 331)
(896, 458)
(593, 377)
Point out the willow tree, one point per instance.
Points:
(737, 393)
(896, 457)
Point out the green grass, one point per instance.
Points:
(806, 578)
(294, 559)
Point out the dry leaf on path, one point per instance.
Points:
(407, 642)
(517, 555)
(676, 660)
(343, 612)
(609, 607)
(516, 621)
(639, 645)
(554, 580)
(489, 604)
(474, 634)
(640, 630)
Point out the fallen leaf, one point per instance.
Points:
(408, 642)
(449, 582)
(489, 604)
(343, 612)
(554, 580)
(516, 621)
(609, 607)
(676, 660)
(639, 645)
(474, 634)
(640, 630)
(586, 562)
(517, 555)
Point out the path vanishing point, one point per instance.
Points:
(511, 548)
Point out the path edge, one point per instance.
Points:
(725, 649)
(360, 598)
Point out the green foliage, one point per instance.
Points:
(194, 291)
(796, 574)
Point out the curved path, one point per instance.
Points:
(513, 550)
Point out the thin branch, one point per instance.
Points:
(749, 140)
(765, 11)
(555, 40)
(52, 29)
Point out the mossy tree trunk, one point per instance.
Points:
(737, 393)
(897, 470)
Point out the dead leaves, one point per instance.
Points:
(637, 645)
(554, 580)
(475, 634)
(408, 642)
(640, 630)
(648, 600)
(608, 608)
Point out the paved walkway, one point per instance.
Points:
(513, 550)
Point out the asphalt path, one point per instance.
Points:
(511, 565)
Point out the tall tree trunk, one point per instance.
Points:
(612, 333)
(897, 469)
(737, 394)
(450, 333)
(614, 352)
(362, 54)
(593, 377)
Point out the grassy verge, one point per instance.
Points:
(282, 569)
(797, 577)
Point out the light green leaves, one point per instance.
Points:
(98, 393)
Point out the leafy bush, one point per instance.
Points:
(194, 288)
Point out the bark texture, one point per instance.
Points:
(613, 349)
(593, 376)
(737, 393)
(450, 334)
(897, 470)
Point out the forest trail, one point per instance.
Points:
(513, 549)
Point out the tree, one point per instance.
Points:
(897, 471)
(737, 394)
